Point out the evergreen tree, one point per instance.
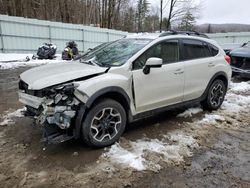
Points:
(187, 22)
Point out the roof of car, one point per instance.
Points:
(143, 35)
(167, 33)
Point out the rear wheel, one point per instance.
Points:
(104, 123)
(215, 96)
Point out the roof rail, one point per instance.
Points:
(191, 33)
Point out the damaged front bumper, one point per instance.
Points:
(56, 115)
(30, 100)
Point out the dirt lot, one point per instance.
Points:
(196, 149)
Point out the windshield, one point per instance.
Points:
(116, 53)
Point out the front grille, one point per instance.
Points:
(23, 86)
(32, 111)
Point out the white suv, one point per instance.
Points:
(123, 81)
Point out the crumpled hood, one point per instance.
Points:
(52, 74)
(241, 52)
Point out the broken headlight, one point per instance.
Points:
(62, 93)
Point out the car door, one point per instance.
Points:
(197, 63)
(162, 86)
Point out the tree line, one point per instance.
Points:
(126, 15)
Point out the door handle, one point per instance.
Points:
(179, 71)
(211, 64)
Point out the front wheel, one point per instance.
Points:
(104, 123)
(215, 95)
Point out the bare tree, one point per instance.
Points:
(118, 14)
(178, 9)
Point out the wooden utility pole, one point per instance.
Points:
(161, 16)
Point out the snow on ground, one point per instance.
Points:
(190, 112)
(31, 62)
(235, 103)
(240, 87)
(145, 154)
(212, 118)
(8, 116)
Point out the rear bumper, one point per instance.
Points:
(241, 72)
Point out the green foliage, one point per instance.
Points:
(187, 22)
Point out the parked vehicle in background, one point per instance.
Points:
(240, 60)
(46, 51)
(126, 80)
(228, 47)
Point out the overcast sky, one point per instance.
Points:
(220, 11)
(225, 11)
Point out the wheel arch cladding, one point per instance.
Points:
(219, 75)
(222, 76)
(115, 93)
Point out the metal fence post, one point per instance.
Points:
(83, 38)
(234, 39)
(1, 36)
(108, 36)
(49, 33)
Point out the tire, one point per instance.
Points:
(215, 95)
(104, 123)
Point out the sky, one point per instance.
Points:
(221, 11)
(225, 11)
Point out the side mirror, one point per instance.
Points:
(153, 62)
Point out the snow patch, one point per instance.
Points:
(8, 117)
(145, 154)
(235, 103)
(212, 118)
(13, 57)
(240, 87)
(190, 112)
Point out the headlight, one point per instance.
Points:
(61, 92)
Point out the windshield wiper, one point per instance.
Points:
(90, 62)
(95, 63)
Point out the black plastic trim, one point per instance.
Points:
(78, 121)
(105, 91)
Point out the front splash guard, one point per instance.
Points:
(54, 135)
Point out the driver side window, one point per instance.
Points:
(168, 51)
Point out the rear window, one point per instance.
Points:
(214, 50)
(195, 49)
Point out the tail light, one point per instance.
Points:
(228, 59)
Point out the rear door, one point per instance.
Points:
(196, 56)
